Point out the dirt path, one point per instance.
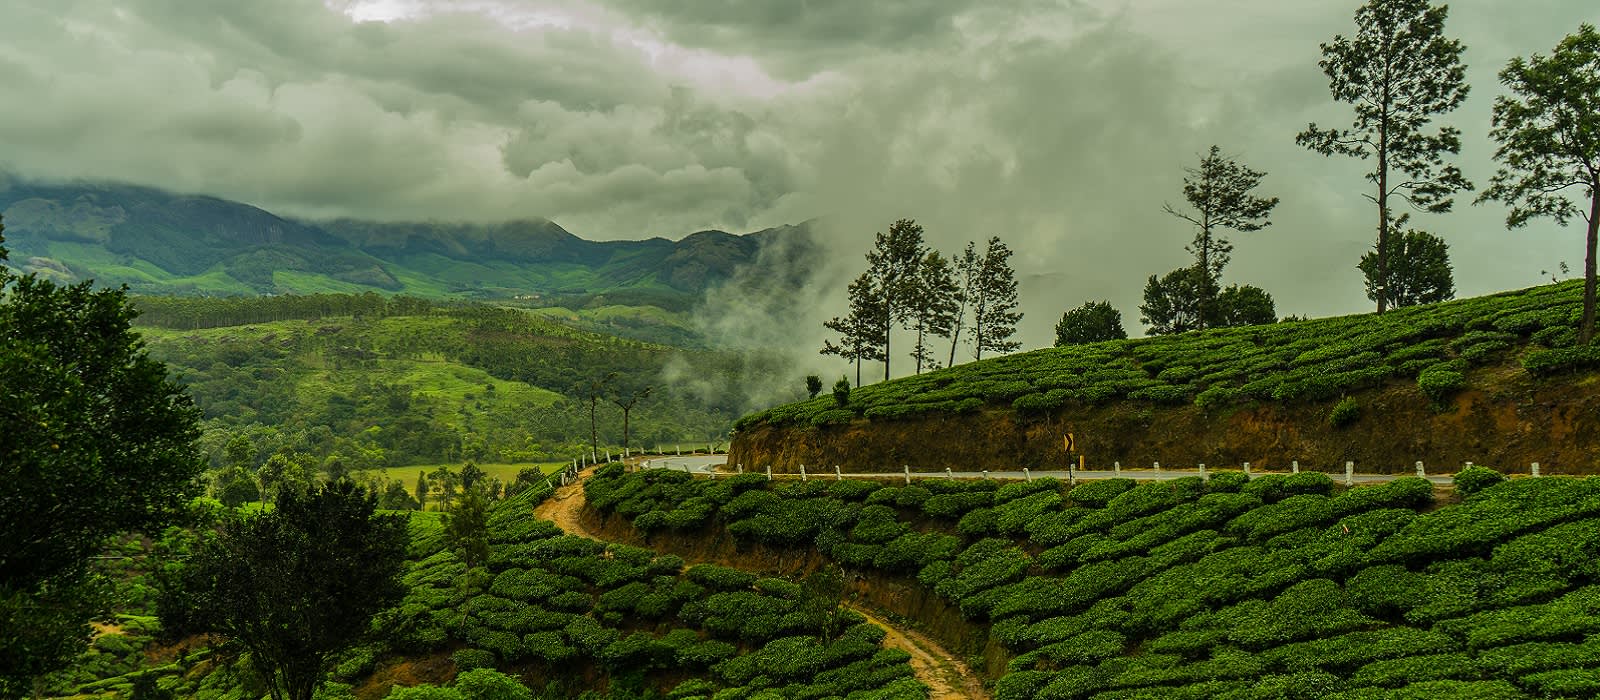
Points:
(947, 677)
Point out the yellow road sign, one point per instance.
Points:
(1069, 442)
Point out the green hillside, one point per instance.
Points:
(158, 242)
(1434, 348)
(1280, 587)
(382, 382)
(567, 616)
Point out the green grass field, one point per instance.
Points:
(506, 473)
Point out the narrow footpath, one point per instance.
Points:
(947, 677)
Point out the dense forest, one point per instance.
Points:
(370, 381)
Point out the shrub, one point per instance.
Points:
(468, 659)
(489, 684)
(1471, 480)
(1344, 413)
(841, 392)
(1307, 483)
(1096, 494)
(1440, 382)
(1228, 481)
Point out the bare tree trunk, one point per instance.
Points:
(1383, 203)
(1586, 328)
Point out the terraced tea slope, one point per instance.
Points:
(1280, 587)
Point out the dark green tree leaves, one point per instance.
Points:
(1548, 131)
(97, 441)
(1397, 72)
(1419, 269)
(293, 585)
(1094, 322)
(1219, 196)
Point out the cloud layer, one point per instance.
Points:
(1059, 125)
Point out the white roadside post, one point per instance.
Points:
(1535, 469)
(949, 473)
(1116, 468)
(738, 468)
(1203, 472)
(802, 472)
(769, 472)
(680, 451)
(1420, 471)
(1294, 467)
(1349, 473)
(837, 475)
(1158, 467)
(985, 475)
(1247, 469)
(1027, 475)
(908, 474)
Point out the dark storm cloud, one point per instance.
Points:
(1059, 126)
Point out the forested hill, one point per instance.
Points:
(163, 243)
(369, 381)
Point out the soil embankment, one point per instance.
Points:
(1516, 422)
(945, 674)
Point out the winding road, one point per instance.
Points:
(947, 677)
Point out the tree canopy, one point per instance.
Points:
(1418, 269)
(1548, 132)
(98, 441)
(1093, 322)
(292, 585)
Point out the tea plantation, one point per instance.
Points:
(1278, 587)
(569, 616)
(1433, 347)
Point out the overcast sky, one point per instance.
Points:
(1060, 125)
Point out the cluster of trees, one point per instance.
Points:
(1399, 72)
(911, 287)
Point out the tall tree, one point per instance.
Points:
(95, 440)
(1548, 133)
(1419, 268)
(294, 585)
(1398, 72)
(966, 276)
(1094, 322)
(626, 399)
(861, 334)
(1219, 196)
(994, 302)
(932, 304)
(893, 263)
(594, 390)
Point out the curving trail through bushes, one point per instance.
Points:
(947, 677)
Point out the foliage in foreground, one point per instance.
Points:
(94, 441)
(569, 617)
(1281, 586)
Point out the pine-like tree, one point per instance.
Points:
(1219, 196)
(932, 307)
(892, 265)
(1419, 268)
(861, 333)
(966, 277)
(1398, 72)
(994, 302)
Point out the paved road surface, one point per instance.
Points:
(709, 464)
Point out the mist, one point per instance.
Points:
(1061, 127)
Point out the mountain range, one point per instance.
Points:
(158, 242)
